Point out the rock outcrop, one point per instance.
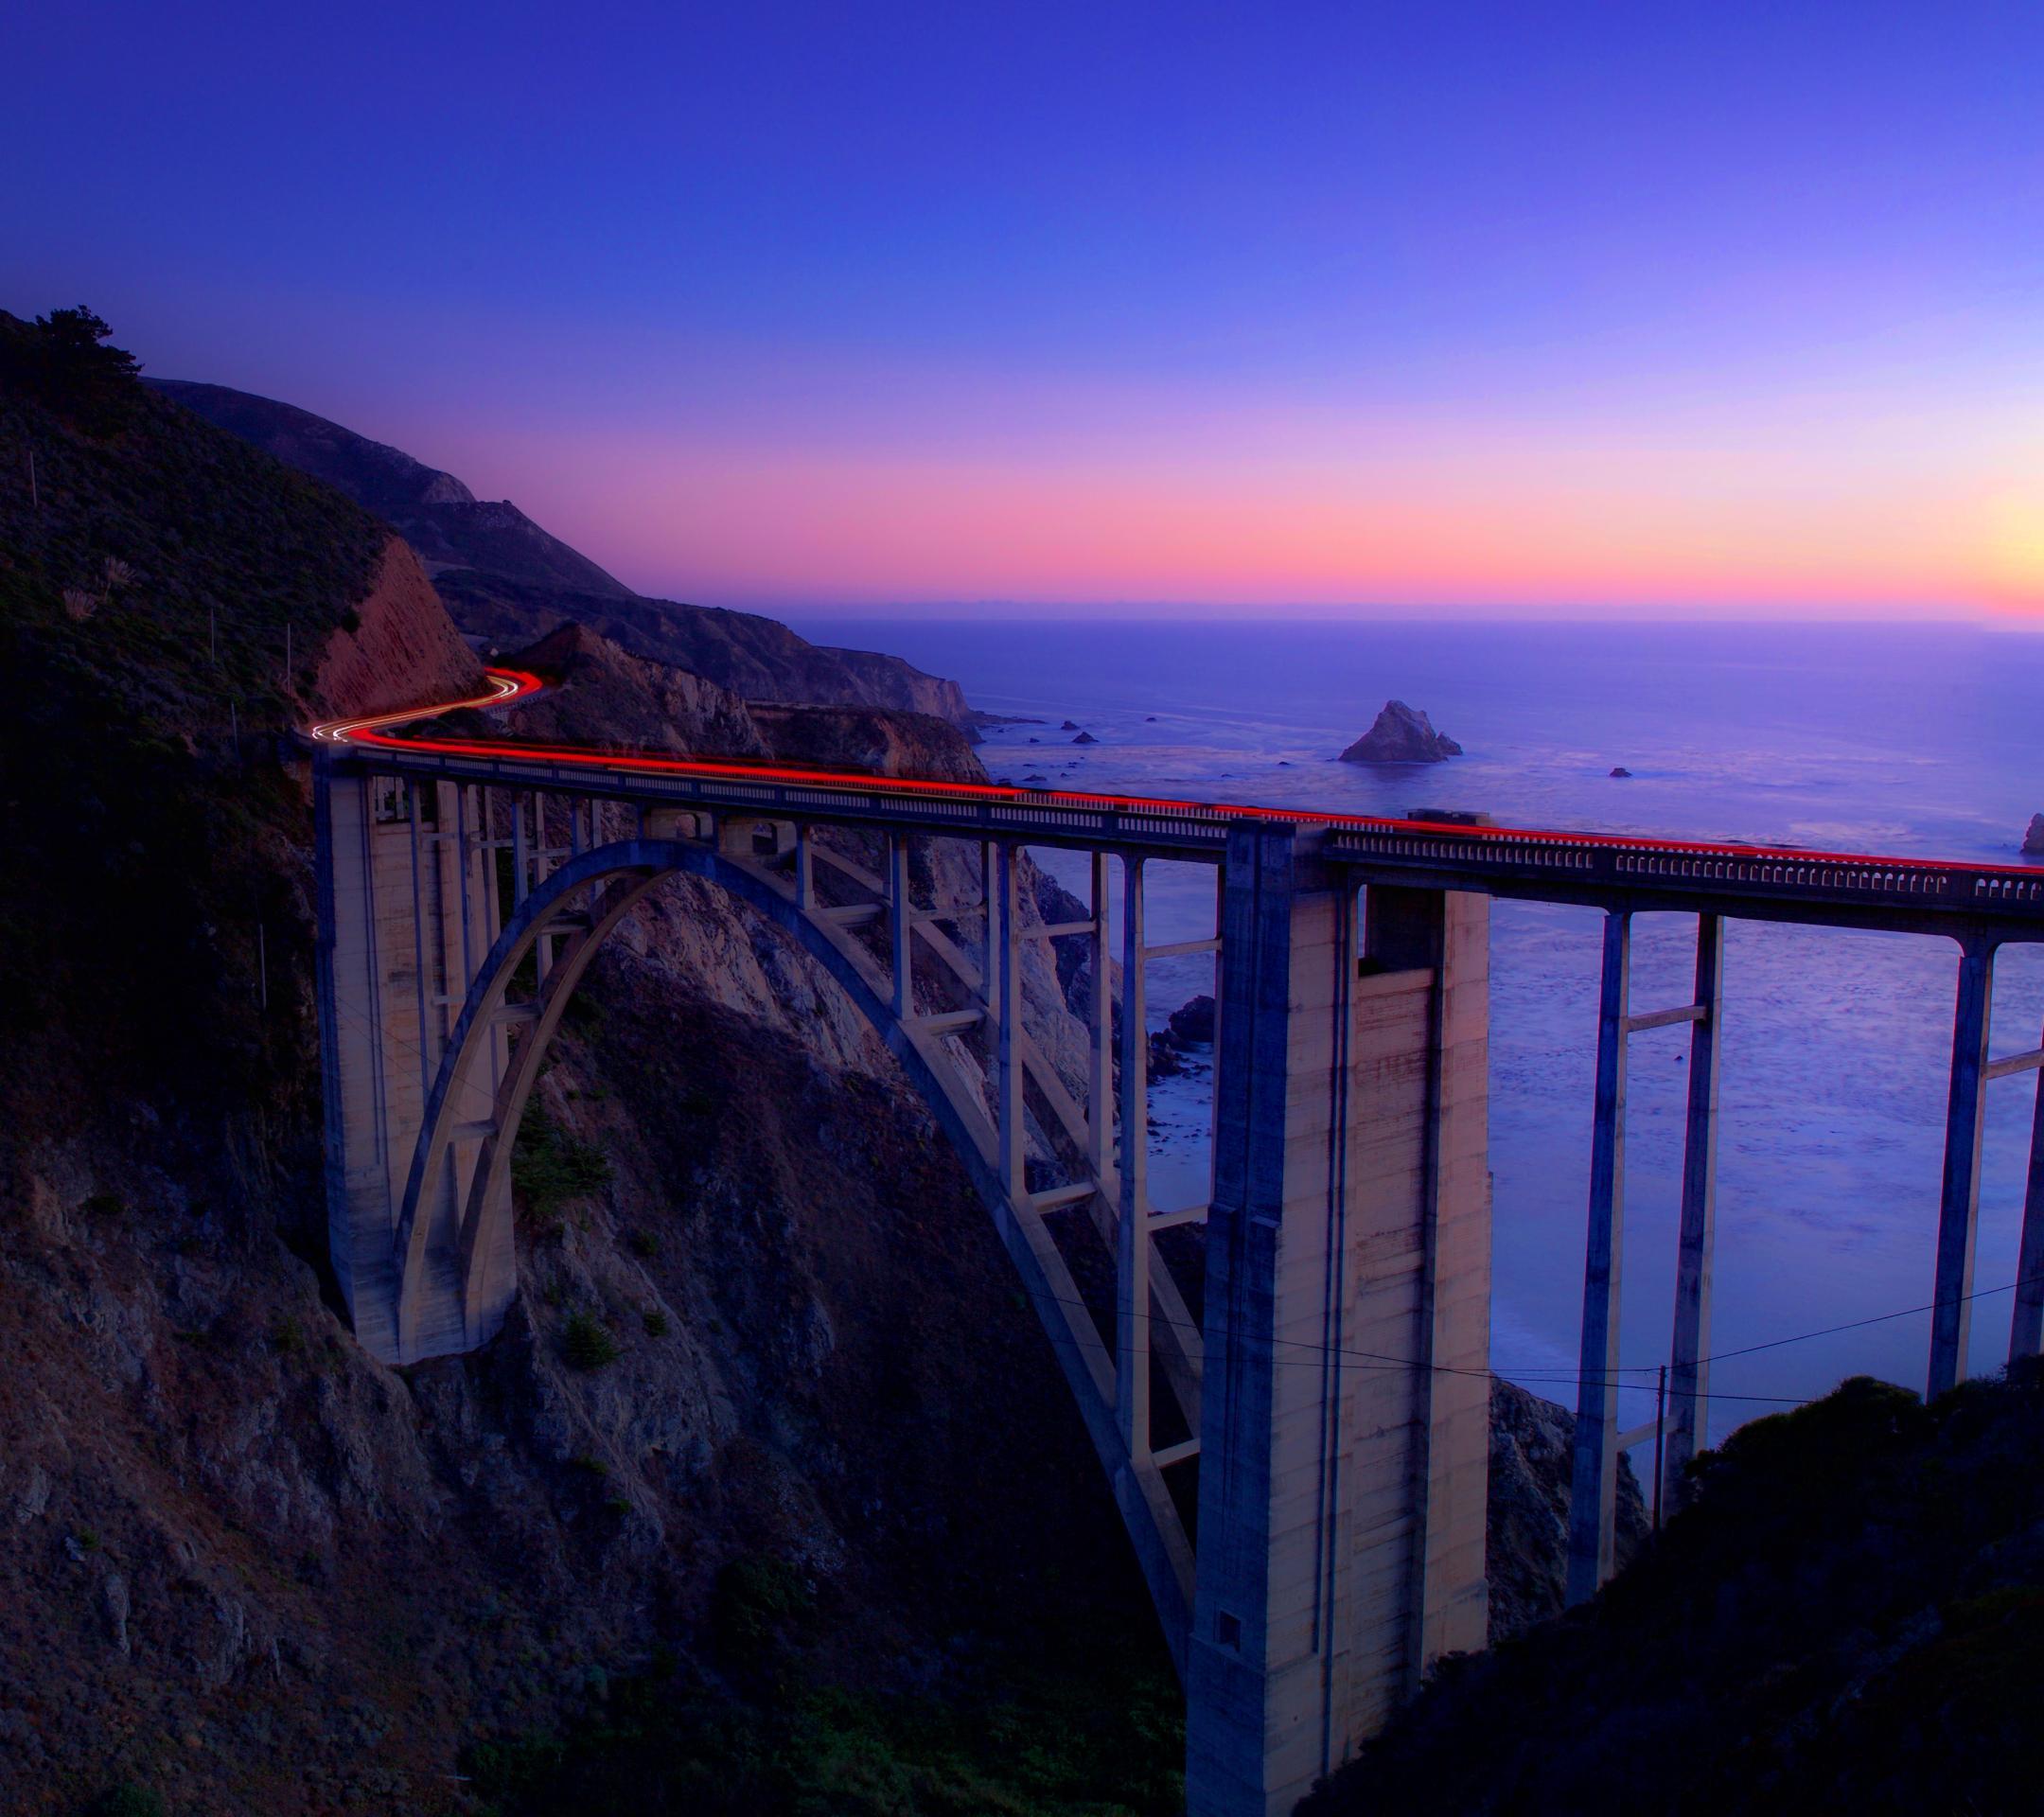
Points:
(2032, 845)
(1402, 735)
(601, 695)
(400, 649)
(1532, 1444)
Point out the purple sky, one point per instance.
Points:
(1561, 308)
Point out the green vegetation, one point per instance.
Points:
(550, 1166)
(587, 1342)
(655, 1322)
(1850, 1618)
(126, 1800)
(1095, 1733)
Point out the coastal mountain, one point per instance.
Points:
(434, 512)
(507, 582)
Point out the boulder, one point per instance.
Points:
(1400, 736)
(1619, 770)
(2033, 844)
(1086, 738)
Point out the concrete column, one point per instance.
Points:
(1132, 1229)
(1688, 1408)
(1592, 1506)
(805, 869)
(1951, 1317)
(989, 874)
(901, 922)
(520, 855)
(372, 1031)
(1005, 918)
(1100, 1028)
(2026, 1325)
(1344, 1432)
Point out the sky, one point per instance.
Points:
(1648, 311)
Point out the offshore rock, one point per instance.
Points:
(1401, 735)
(1192, 1021)
(2033, 844)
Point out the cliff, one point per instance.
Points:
(757, 658)
(394, 646)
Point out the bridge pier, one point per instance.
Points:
(406, 912)
(1345, 1431)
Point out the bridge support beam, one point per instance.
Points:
(1344, 1430)
(2026, 1324)
(1688, 1408)
(1594, 1487)
(1951, 1315)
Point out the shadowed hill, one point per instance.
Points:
(434, 512)
(1850, 1618)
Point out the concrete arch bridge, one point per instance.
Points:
(1326, 1415)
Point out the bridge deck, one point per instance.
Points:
(1753, 882)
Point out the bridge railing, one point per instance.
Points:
(1568, 866)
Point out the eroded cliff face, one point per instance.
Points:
(402, 649)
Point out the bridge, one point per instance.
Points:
(1322, 1425)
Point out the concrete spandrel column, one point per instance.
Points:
(1952, 1314)
(2026, 1323)
(1343, 1442)
(1594, 1482)
(1688, 1408)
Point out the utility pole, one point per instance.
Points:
(234, 722)
(35, 498)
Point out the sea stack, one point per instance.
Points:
(2033, 844)
(1400, 736)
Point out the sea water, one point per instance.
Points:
(1901, 740)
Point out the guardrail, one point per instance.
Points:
(1556, 866)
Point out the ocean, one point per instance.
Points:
(1903, 740)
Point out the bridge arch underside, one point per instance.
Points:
(455, 1265)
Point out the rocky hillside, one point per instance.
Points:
(508, 582)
